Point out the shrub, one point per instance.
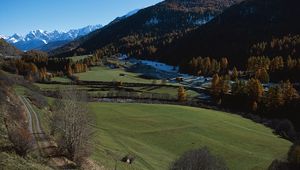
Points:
(294, 156)
(22, 141)
(278, 165)
(292, 162)
(285, 129)
(200, 159)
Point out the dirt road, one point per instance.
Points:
(47, 147)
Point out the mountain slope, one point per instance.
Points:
(232, 33)
(8, 50)
(142, 33)
(44, 40)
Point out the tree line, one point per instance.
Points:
(276, 102)
(206, 66)
(37, 66)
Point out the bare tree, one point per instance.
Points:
(71, 120)
(200, 159)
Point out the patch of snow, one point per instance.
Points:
(123, 57)
(13, 40)
(45, 41)
(173, 72)
(152, 21)
(203, 20)
(160, 66)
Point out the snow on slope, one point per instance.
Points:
(160, 66)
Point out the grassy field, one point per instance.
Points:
(95, 91)
(157, 134)
(107, 74)
(61, 79)
(171, 90)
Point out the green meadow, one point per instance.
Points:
(158, 134)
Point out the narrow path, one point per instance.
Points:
(46, 147)
(29, 116)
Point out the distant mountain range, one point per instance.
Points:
(142, 32)
(46, 41)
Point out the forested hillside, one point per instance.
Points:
(7, 49)
(233, 33)
(152, 28)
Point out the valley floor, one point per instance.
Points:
(158, 134)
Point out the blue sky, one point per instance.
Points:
(21, 16)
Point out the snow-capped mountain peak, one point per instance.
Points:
(37, 38)
(14, 38)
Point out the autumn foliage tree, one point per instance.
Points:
(182, 97)
(205, 66)
(262, 75)
(274, 97)
(255, 91)
(219, 87)
(289, 92)
(224, 65)
(235, 74)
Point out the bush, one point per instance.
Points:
(293, 161)
(286, 129)
(22, 141)
(279, 165)
(294, 156)
(200, 159)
